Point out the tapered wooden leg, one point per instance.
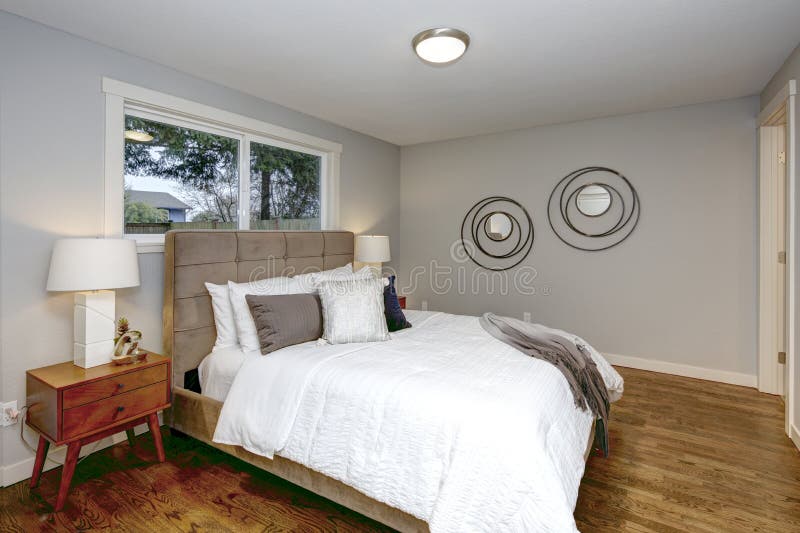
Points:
(155, 429)
(38, 466)
(131, 435)
(73, 451)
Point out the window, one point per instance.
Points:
(184, 165)
(178, 178)
(284, 188)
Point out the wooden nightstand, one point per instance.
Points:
(71, 405)
(402, 300)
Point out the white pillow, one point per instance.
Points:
(245, 325)
(310, 282)
(223, 316)
(352, 311)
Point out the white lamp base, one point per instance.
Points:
(94, 328)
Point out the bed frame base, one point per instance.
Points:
(196, 415)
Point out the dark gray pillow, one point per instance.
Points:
(284, 320)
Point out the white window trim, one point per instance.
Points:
(121, 96)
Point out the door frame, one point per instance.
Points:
(769, 370)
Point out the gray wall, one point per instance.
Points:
(681, 289)
(790, 71)
(51, 185)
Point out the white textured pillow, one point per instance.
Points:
(310, 282)
(223, 316)
(352, 311)
(245, 325)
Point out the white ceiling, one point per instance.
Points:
(531, 62)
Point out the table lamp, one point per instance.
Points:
(373, 251)
(90, 267)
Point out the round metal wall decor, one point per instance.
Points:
(593, 209)
(497, 233)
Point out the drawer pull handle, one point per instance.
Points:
(120, 385)
(120, 409)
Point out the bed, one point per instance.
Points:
(350, 401)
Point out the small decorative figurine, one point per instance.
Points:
(122, 328)
(126, 347)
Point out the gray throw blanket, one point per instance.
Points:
(573, 360)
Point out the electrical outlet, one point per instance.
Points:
(526, 316)
(8, 413)
(424, 305)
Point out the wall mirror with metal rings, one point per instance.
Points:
(593, 200)
(498, 226)
(497, 233)
(593, 208)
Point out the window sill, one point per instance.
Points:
(147, 244)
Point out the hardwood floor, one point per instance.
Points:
(687, 455)
(692, 455)
(198, 489)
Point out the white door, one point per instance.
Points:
(779, 297)
(780, 262)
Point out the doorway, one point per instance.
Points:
(777, 261)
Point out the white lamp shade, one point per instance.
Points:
(93, 264)
(372, 249)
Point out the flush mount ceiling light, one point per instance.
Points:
(139, 136)
(440, 46)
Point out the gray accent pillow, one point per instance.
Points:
(286, 319)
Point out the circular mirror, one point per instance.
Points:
(498, 226)
(593, 200)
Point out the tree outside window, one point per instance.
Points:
(200, 170)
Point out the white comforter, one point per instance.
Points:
(443, 422)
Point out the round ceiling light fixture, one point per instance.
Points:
(440, 46)
(139, 136)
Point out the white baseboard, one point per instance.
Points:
(22, 470)
(795, 435)
(677, 369)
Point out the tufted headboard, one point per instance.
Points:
(192, 257)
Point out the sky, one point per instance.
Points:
(148, 183)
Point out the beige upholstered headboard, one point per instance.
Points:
(192, 257)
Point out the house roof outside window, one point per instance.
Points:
(159, 200)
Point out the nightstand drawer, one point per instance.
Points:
(113, 386)
(109, 411)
